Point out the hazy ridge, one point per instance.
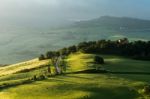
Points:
(19, 44)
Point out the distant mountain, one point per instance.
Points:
(21, 44)
(116, 23)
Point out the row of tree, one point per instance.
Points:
(137, 50)
(56, 60)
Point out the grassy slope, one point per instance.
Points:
(83, 86)
(21, 66)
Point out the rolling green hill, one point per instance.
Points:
(118, 84)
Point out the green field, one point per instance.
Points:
(116, 85)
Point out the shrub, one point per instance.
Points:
(41, 77)
(147, 89)
(42, 57)
(34, 78)
(98, 60)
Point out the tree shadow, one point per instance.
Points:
(94, 91)
(115, 93)
(134, 76)
(73, 76)
(132, 73)
(89, 71)
(94, 71)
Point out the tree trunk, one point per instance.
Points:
(49, 69)
(57, 66)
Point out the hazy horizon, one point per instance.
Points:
(25, 25)
(49, 13)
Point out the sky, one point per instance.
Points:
(30, 13)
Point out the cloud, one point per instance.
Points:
(46, 12)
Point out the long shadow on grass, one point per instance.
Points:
(9, 85)
(94, 91)
(108, 93)
(135, 76)
(136, 73)
(94, 71)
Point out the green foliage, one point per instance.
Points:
(64, 51)
(147, 89)
(49, 54)
(38, 77)
(72, 49)
(137, 50)
(42, 57)
(98, 60)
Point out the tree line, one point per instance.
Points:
(137, 50)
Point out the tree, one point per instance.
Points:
(49, 68)
(98, 60)
(64, 51)
(72, 49)
(82, 46)
(63, 64)
(49, 54)
(42, 57)
(56, 60)
(146, 89)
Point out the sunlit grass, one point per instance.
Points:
(80, 86)
(79, 61)
(35, 63)
(73, 86)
